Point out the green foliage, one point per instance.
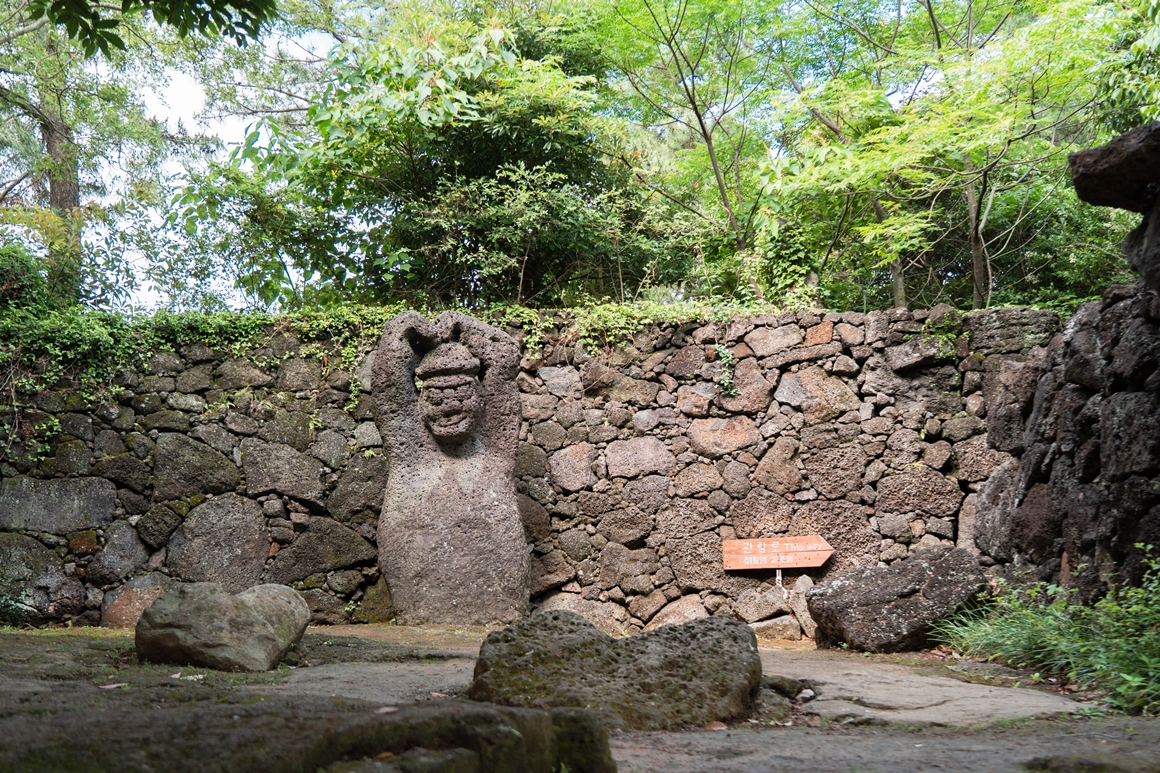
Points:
(1113, 645)
(784, 261)
(21, 280)
(450, 155)
(92, 26)
(454, 172)
(725, 375)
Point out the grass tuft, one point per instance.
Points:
(1113, 645)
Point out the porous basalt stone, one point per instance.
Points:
(358, 497)
(223, 541)
(33, 586)
(835, 472)
(716, 437)
(572, 467)
(124, 553)
(922, 490)
(605, 615)
(675, 675)
(842, 524)
(201, 624)
(274, 468)
(638, 456)
(682, 610)
(822, 397)
(616, 467)
(892, 609)
(122, 608)
(1121, 174)
(761, 514)
(156, 526)
(450, 508)
(778, 469)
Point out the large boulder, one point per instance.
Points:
(124, 553)
(358, 498)
(327, 545)
(676, 675)
(33, 586)
(200, 624)
(891, 609)
(224, 541)
(56, 506)
(183, 467)
(275, 468)
(1121, 174)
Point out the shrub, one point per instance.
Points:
(21, 278)
(1113, 645)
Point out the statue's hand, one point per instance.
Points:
(496, 350)
(405, 339)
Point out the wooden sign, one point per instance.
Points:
(776, 552)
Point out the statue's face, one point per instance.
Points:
(450, 406)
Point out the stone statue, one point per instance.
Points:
(451, 543)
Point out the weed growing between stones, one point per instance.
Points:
(1113, 645)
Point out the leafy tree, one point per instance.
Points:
(697, 72)
(454, 172)
(945, 134)
(73, 134)
(95, 26)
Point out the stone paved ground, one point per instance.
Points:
(902, 714)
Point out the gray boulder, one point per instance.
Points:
(358, 498)
(33, 586)
(224, 541)
(183, 467)
(200, 624)
(274, 468)
(56, 506)
(124, 553)
(327, 545)
(891, 609)
(676, 675)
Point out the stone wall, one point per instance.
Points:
(632, 467)
(1082, 419)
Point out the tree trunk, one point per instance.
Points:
(64, 191)
(707, 136)
(897, 280)
(978, 267)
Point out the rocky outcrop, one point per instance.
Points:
(891, 609)
(676, 675)
(1124, 174)
(1083, 414)
(201, 624)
